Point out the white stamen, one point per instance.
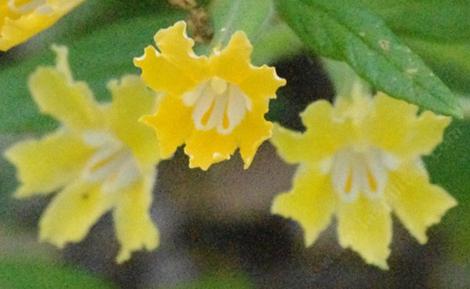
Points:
(218, 85)
(203, 104)
(217, 105)
(112, 164)
(216, 119)
(39, 6)
(124, 175)
(365, 171)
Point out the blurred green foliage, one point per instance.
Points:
(449, 166)
(21, 274)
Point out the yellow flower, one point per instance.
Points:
(22, 19)
(100, 159)
(359, 160)
(212, 104)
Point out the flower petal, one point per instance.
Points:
(417, 202)
(175, 69)
(290, 145)
(252, 132)
(261, 82)
(428, 132)
(395, 127)
(172, 123)
(326, 133)
(233, 62)
(131, 99)
(205, 148)
(366, 227)
(57, 94)
(38, 172)
(14, 30)
(135, 229)
(389, 123)
(311, 202)
(72, 213)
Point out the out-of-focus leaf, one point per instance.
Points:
(249, 16)
(439, 31)
(259, 21)
(347, 31)
(7, 179)
(449, 166)
(95, 58)
(343, 78)
(277, 41)
(435, 20)
(21, 274)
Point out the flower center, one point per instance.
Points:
(112, 164)
(25, 7)
(217, 104)
(365, 171)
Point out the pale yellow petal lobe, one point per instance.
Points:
(290, 144)
(417, 203)
(72, 213)
(326, 132)
(135, 229)
(395, 126)
(311, 203)
(428, 133)
(131, 100)
(38, 172)
(365, 226)
(172, 123)
(68, 101)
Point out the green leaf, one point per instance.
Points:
(20, 274)
(8, 180)
(271, 45)
(250, 16)
(449, 165)
(444, 45)
(347, 31)
(450, 61)
(261, 24)
(344, 78)
(95, 58)
(413, 18)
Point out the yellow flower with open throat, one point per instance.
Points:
(212, 104)
(22, 19)
(100, 159)
(360, 159)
